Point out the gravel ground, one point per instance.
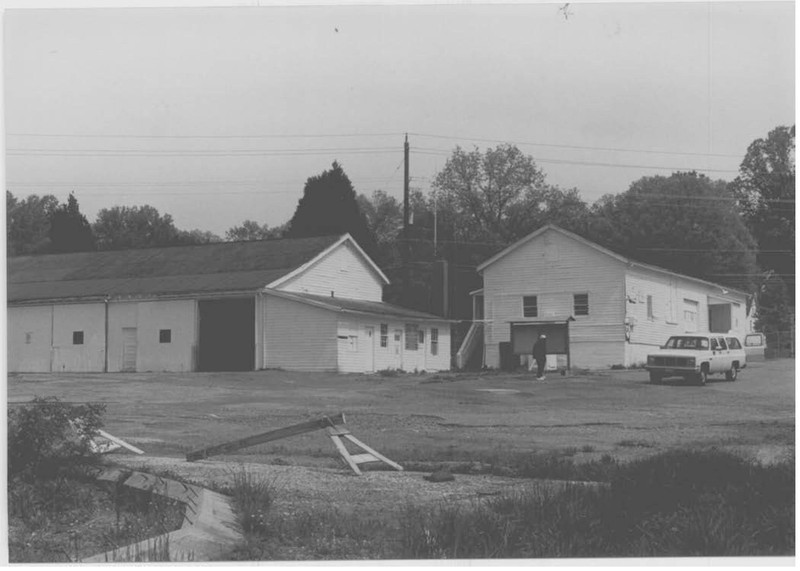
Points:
(300, 487)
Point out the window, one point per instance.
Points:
(754, 340)
(581, 304)
(412, 337)
(434, 341)
(530, 307)
(77, 337)
(422, 337)
(165, 336)
(733, 343)
(650, 315)
(28, 338)
(385, 335)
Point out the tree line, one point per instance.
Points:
(739, 234)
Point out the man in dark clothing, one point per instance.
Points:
(540, 354)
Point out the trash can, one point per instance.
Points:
(507, 362)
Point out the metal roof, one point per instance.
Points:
(175, 270)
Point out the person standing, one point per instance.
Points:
(540, 355)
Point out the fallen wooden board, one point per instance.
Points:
(294, 430)
(119, 442)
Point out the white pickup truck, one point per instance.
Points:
(695, 357)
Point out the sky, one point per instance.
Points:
(215, 115)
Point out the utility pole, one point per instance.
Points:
(406, 244)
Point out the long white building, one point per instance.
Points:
(310, 304)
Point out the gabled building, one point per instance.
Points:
(597, 308)
(298, 304)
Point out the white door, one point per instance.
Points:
(129, 348)
(369, 350)
(397, 345)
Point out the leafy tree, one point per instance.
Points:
(252, 230)
(685, 222)
(773, 312)
(328, 207)
(492, 195)
(764, 191)
(69, 229)
(122, 227)
(28, 223)
(188, 237)
(384, 215)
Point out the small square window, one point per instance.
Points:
(77, 337)
(165, 336)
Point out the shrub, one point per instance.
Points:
(42, 437)
(252, 499)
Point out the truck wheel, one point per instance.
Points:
(655, 378)
(731, 375)
(702, 377)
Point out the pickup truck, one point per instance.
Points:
(695, 357)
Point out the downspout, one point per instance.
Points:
(105, 345)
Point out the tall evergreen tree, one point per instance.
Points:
(329, 207)
(69, 229)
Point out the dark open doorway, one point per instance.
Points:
(227, 335)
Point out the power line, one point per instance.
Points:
(191, 153)
(183, 137)
(441, 152)
(576, 147)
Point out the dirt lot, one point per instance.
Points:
(426, 418)
(437, 417)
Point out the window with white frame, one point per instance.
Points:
(530, 306)
(384, 334)
(434, 341)
(580, 304)
(650, 315)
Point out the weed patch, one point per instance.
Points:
(674, 504)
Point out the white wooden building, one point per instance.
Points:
(597, 308)
(297, 304)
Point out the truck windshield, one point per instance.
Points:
(687, 343)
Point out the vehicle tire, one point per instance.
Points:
(731, 375)
(702, 377)
(655, 378)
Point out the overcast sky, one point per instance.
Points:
(217, 115)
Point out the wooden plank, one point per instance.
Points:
(270, 436)
(380, 457)
(119, 441)
(362, 458)
(337, 441)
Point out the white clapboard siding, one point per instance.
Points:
(554, 267)
(342, 271)
(29, 339)
(298, 336)
(354, 345)
(665, 289)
